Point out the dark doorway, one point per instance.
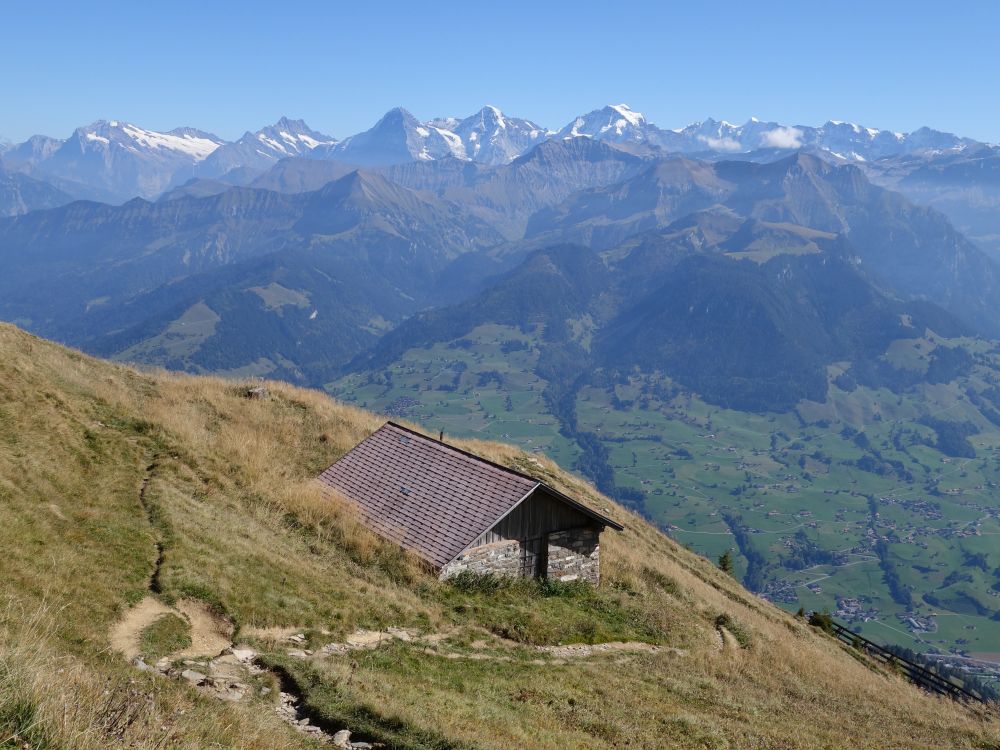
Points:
(535, 557)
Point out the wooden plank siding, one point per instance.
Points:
(540, 514)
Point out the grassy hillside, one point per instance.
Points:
(118, 488)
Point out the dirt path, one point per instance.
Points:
(210, 634)
(274, 633)
(154, 576)
(125, 633)
(583, 649)
(431, 643)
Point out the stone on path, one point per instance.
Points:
(243, 653)
(195, 678)
(141, 665)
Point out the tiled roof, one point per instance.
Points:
(427, 496)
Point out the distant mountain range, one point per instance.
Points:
(20, 194)
(742, 281)
(364, 233)
(327, 258)
(114, 161)
(323, 273)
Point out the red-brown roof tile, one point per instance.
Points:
(429, 497)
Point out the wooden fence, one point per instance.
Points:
(916, 673)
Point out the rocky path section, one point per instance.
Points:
(234, 672)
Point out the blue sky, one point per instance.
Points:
(228, 68)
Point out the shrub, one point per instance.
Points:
(726, 562)
(663, 582)
(480, 583)
(822, 620)
(489, 583)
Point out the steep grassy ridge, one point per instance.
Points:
(116, 484)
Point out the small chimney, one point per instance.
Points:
(441, 436)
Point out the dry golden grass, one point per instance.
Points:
(229, 497)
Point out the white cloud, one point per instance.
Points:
(782, 138)
(720, 144)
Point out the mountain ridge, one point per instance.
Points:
(120, 160)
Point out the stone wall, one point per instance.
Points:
(572, 555)
(499, 558)
(575, 554)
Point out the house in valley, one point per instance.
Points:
(458, 512)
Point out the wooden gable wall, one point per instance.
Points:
(540, 514)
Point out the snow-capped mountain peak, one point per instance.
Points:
(615, 122)
(195, 144)
(630, 116)
(289, 138)
(493, 114)
(184, 143)
(260, 150)
(491, 137)
(398, 137)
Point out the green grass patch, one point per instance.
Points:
(165, 636)
(547, 612)
(333, 707)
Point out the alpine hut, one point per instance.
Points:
(459, 512)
